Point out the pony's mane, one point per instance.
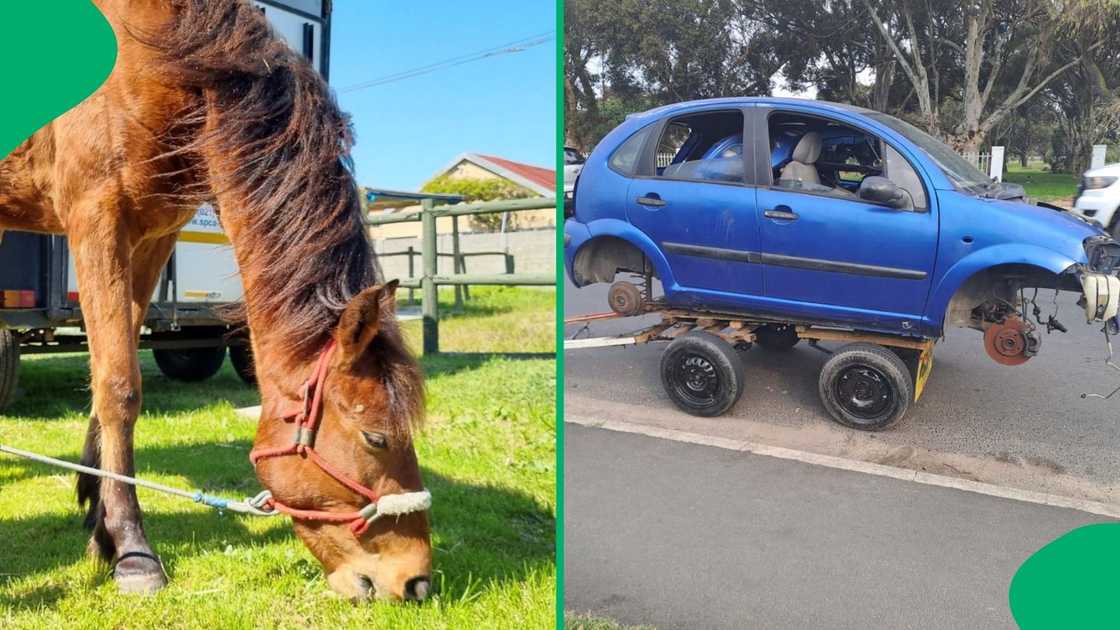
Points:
(273, 122)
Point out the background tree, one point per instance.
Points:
(1022, 71)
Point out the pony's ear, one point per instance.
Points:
(361, 320)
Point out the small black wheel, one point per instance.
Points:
(702, 374)
(190, 364)
(777, 337)
(9, 367)
(866, 387)
(241, 357)
(625, 298)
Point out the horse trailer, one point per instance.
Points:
(39, 307)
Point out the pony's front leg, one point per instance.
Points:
(100, 245)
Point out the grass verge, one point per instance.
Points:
(1042, 185)
(487, 454)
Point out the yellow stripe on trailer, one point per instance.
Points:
(925, 366)
(211, 238)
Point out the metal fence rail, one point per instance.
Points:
(430, 280)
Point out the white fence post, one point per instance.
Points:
(996, 168)
(1097, 160)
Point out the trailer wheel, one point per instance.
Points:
(190, 364)
(241, 357)
(865, 386)
(777, 338)
(9, 367)
(702, 374)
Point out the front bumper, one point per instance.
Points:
(1098, 205)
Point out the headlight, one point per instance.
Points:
(1091, 183)
(1102, 253)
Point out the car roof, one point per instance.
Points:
(741, 101)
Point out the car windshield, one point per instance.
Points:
(962, 173)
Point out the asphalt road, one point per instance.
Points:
(1023, 426)
(684, 536)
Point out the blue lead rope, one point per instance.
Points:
(212, 501)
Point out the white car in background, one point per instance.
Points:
(573, 164)
(1098, 196)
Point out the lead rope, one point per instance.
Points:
(307, 423)
(252, 506)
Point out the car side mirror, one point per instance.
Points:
(878, 189)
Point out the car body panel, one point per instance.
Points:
(886, 255)
(884, 270)
(699, 221)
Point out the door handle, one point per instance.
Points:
(781, 212)
(651, 200)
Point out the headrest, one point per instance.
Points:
(808, 149)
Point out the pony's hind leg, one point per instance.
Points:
(100, 245)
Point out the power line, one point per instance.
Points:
(509, 48)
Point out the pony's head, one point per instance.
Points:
(354, 488)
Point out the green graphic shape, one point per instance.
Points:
(1072, 582)
(52, 56)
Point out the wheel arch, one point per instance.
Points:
(971, 283)
(613, 248)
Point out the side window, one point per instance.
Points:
(827, 157)
(707, 146)
(673, 139)
(820, 156)
(902, 174)
(624, 160)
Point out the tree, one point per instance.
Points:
(967, 72)
(637, 54)
(479, 189)
(1006, 53)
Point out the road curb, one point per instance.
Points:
(840, 463)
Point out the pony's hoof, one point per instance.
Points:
(139, 573)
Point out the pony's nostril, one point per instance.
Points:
(417, 588)
(365, 586)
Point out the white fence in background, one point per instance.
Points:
(982, 161)
(1097, 160)
(990, 163)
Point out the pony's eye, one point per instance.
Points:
(376, 440)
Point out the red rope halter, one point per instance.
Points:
(307, 423)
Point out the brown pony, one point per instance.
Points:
(206, 103)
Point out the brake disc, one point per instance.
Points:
(1011, 342)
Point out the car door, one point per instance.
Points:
(693, 202)
(836, 256)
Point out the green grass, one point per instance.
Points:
(487, 454)
(1042, 185)
(516, 320)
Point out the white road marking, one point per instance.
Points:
(840, 463)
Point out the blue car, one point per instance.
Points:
(796, 214)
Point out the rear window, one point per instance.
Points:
(625, 158)
(707, 146)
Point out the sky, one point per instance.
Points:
(410, 129)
